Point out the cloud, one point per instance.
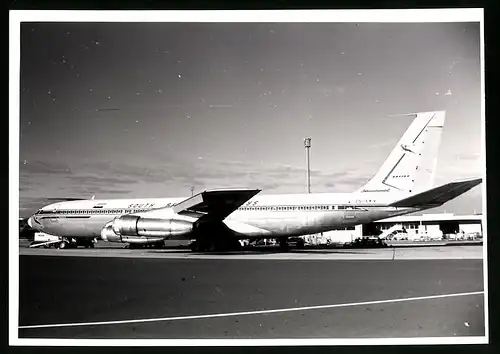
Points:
(340, 90)
(28, 205)
(172, 176)
(175, 177)
(384, 144)
(469, 156)
(465, 165)
(100, 180)
(44, 167)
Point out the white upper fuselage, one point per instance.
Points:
(261, 216)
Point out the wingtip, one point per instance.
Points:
(473, 180)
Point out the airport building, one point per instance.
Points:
(424, 227)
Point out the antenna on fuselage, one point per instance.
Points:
(93, 197)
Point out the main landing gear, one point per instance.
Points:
(215, 245)
(284, 246)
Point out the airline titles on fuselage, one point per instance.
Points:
(141, 206)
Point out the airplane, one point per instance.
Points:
(216, 219)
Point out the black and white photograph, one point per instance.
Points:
(297, 177)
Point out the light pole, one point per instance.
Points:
(307, 145)
(192, 190)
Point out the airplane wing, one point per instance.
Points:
(439, 195)
(215, 204)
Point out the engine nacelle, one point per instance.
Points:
(133, 225)
(107, 233)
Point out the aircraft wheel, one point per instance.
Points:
(284, 247)
(198, 246)
(63, 245)
(213, 246)
(234, 245)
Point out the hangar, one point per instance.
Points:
(424, 227)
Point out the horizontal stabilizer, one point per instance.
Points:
(216, 204)
(439, 195)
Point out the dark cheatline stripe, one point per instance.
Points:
(66, 217)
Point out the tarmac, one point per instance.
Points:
(166, 294)
(273, 253)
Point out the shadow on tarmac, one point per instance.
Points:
(262, 250)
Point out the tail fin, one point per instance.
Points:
(411, 166)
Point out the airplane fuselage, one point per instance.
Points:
(261, 216)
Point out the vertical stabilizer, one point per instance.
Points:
(411, 166)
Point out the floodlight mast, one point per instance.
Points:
(307, 145)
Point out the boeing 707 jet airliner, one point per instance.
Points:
(216, 219)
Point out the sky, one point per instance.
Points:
(126, 110)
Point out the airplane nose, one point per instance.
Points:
(33, 223)
(30, 222)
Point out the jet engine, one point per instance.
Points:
(107, 233)
(123, 227)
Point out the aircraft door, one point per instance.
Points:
(54, 219)
(349, 213)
